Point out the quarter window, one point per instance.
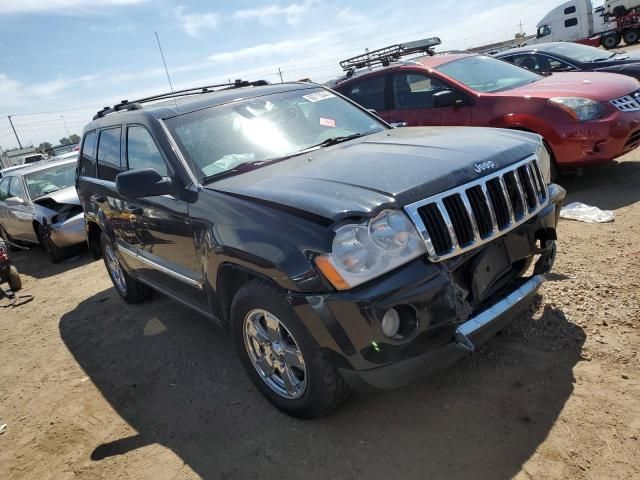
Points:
(88, 156)
(4, 189)
(16, 189)
(414, 90)
(142, 151)
(369, 93)
(109, 154)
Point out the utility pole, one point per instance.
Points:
(65, 126)
(280, 73)
(521, 31)
(14, 132)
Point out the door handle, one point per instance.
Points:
(134, 209)
(398, 124)
(97, 199)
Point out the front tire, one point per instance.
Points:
(130, 289)
(280, 356)
(611, 41)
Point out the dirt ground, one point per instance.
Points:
(91, 388)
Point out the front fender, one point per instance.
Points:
(528, 123)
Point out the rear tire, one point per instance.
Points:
(318, 385)
(610, 41)
(13, 279)
(130, 289)
(631, 36)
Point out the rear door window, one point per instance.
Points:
(4, 189)
(142, 151)
(414, 90)
(109, 154)
(88, 156)
(369, 93)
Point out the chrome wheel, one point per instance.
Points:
(275, 354)
(115, 270)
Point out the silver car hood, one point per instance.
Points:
(67, 196)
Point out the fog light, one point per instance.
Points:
(391, 323)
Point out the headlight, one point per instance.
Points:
(580, 109)
(544, 158)
(363, 251)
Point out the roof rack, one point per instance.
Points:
(386, 55)
(126, 105)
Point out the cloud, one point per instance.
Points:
(266, 50)
(63, 7)
(292, 13)
(194, 23)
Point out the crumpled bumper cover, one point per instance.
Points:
(68, 232)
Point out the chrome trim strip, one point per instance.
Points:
(507, 198)
(412, 210)
(449, 224)
(492, 213)
(527, 169)
(470, 215)
(523, 199)
(490, 314)
(161, 268)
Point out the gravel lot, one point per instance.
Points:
(91, 388)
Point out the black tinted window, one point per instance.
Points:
(109, 154)
(142, 151)
(570, 10)
(4, 188)
(87, 158)
(368, 93)
(572, 22)
(414, 90)
(16, 189)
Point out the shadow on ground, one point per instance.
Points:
(35, 263)
(621, 179)
(175, 379)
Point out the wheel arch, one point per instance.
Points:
(94, 231)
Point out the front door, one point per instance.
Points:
(165, 244)
(415, 104)
(19, 223)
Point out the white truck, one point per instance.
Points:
(577, 21)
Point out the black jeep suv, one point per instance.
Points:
(341, 253)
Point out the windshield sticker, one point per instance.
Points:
(328, 122)
(316, 97)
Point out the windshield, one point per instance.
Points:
(44, 182)
(577, 52)
(224, 137)
(486, 74)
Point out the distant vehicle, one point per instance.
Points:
(577, 21)
(65, 156)
(38, 157)
(546, 58)
(39, 205)
(584, 118)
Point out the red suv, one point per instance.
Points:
(585, 118)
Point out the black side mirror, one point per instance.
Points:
(446, 98)
(145, 182)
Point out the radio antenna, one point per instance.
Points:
(164, 62)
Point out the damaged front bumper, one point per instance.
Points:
(446, 321)
(68, 232)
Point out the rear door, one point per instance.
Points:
(165, 244)
(413, 102)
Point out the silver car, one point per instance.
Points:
(39, 205)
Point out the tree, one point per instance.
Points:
(71, 140)
(44, 146)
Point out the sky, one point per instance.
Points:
(62, 60)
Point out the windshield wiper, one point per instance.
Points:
(336, 140)
(243, 167)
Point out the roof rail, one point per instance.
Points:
(386, 55)
(126, 105)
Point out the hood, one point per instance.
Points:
(388, 169)
(597, 86)
(66, 196)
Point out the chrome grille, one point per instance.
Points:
(463, 218)
(627, 103)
